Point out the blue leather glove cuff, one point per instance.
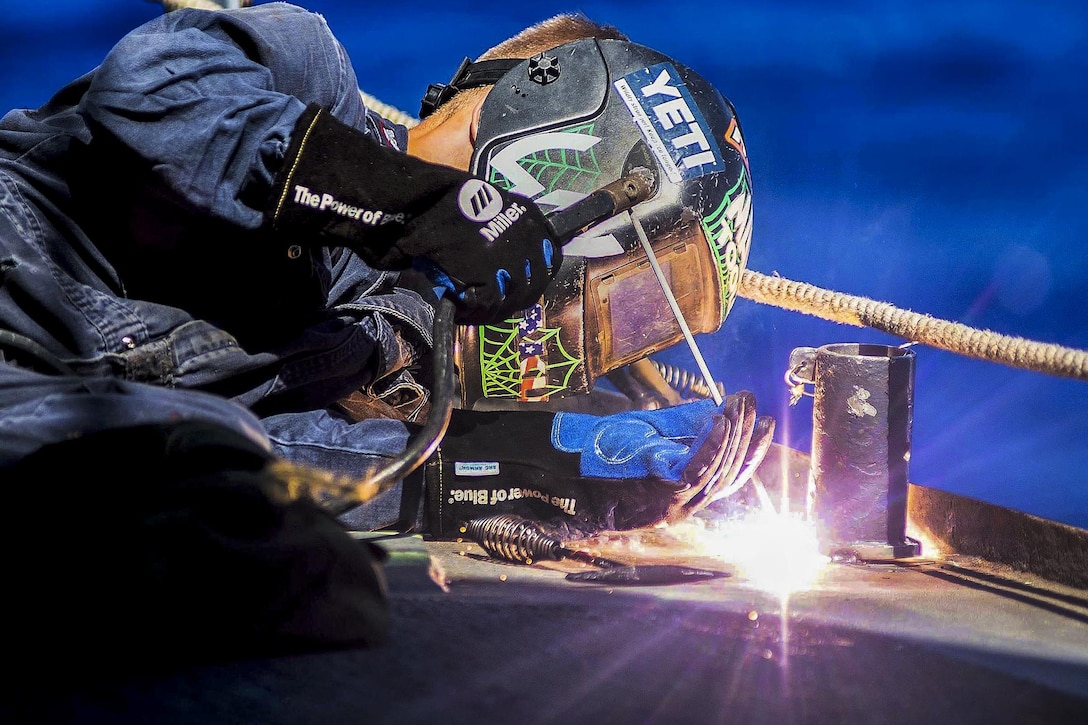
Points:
(635, 444)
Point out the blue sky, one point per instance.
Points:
(931, 155)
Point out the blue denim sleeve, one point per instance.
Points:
(209, 98)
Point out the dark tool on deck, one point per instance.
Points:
(521, 541)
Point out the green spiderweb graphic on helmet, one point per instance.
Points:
(501, 356)
(728, 230)
(562, 168)
(500, 361)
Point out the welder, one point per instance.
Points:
(559, 126)
(212, 250)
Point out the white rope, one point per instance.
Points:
(169, 5)
(386, 111)
(952, 336)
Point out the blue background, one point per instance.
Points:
(931, 155)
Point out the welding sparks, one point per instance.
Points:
(778, 553)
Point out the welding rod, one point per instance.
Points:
(677, 313)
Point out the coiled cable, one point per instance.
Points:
(521, 541)
(686, 383)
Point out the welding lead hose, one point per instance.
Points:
(847, 309)
(518, 540)
(340, 493)
(443, 388)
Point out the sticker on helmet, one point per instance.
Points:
(728, 229)
(670, 121)
(554, 169)
(734, 139)
(514, 359)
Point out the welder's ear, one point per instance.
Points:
(474, 122)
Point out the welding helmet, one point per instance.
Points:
(564, 123)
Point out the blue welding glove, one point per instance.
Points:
(707, 451)
(587, 473)
(636, 444)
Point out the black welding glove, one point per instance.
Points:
(586, 473)
(492, 250)
(164, 545)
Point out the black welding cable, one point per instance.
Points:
(426, 439)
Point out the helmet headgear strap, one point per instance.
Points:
(469, 75)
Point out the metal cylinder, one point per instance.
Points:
(861, 442)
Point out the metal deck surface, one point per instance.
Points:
(943, 639)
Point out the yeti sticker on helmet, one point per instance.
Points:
(670, 121)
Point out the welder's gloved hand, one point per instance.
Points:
(699, 451)
(491, 251)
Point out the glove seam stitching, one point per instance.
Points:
(294, 166)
